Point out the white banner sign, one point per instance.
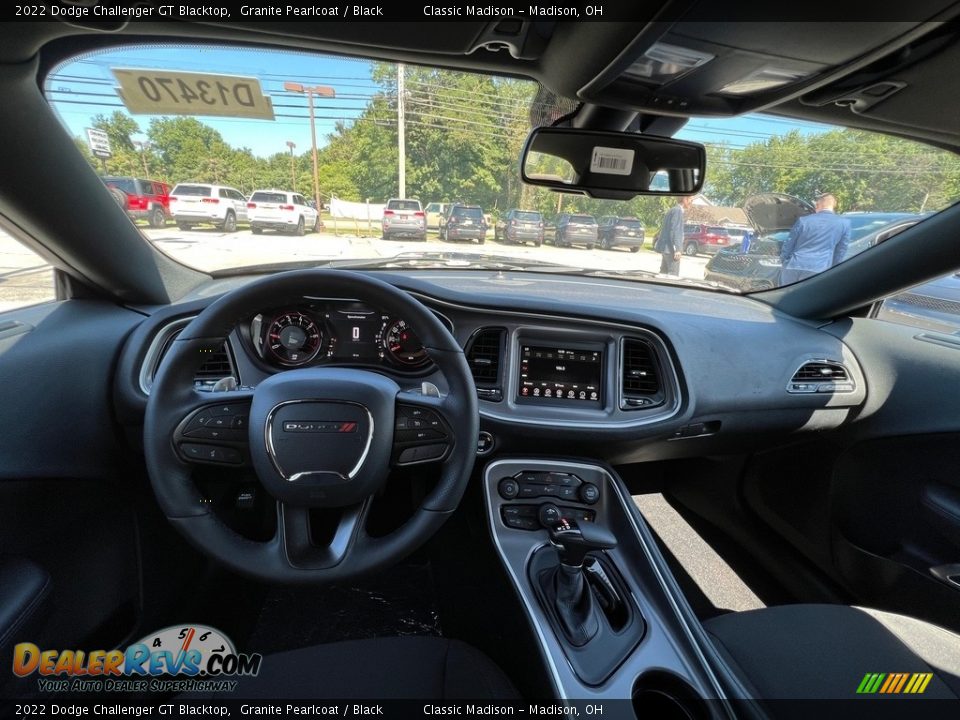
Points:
(356, 210)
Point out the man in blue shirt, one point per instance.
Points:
(817, 242)
(669, 242)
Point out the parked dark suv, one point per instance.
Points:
(464, 222)
(568, 230)
(520, 226)
(620, 231)
(146, 199)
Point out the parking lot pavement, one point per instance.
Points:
(211, 249)
(25, 279)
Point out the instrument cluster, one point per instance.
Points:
(319, 332)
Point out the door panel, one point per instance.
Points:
(877, 505)
(66, 482)
(867, 514)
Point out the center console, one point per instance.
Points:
(605, 610)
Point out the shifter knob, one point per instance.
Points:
(573, 541)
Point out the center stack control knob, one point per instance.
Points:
(549, 515)
(589, 493)
(508, 488)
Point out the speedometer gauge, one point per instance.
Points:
(402, 344)
(293, 338)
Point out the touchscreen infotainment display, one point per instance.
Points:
(551, 373)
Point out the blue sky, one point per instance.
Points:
(85, 87)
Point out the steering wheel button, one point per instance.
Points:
(239, 422)
(408, 455)
(431, 452)
(403, 422)
(230, 455)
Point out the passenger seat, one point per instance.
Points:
(825, 651)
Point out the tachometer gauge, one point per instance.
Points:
(293, 339)
(402, 344)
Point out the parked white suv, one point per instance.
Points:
(192, 203)
(281, 210)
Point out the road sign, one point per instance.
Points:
(99, 143)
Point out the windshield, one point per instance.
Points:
(242, 119)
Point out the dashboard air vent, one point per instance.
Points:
(820, 371)
(218, 364)
(640, 380)
(216, 367)
(820, 376)
(484, 355)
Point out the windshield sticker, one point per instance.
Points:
(163, 92)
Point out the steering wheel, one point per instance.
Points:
(315, 437)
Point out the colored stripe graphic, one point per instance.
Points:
(891, 680)
(894, 683)
(903, 681)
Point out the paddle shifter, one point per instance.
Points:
(566, 588)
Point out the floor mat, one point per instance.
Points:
(396, 601)
(715, 581)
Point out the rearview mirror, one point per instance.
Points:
(614, 165)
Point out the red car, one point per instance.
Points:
(146, 199)
(706, 239)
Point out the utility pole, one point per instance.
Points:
(322, 91)
(141, 145)
(293, 180)
(401, 130)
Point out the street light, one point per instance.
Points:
(293, 181)
(309, 91)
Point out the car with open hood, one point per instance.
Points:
(772, 215)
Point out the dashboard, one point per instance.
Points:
(615, 369)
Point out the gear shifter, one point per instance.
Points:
(573, 541)
(566, 587)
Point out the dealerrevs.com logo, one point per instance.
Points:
(180, 658)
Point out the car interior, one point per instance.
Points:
(431, 528)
